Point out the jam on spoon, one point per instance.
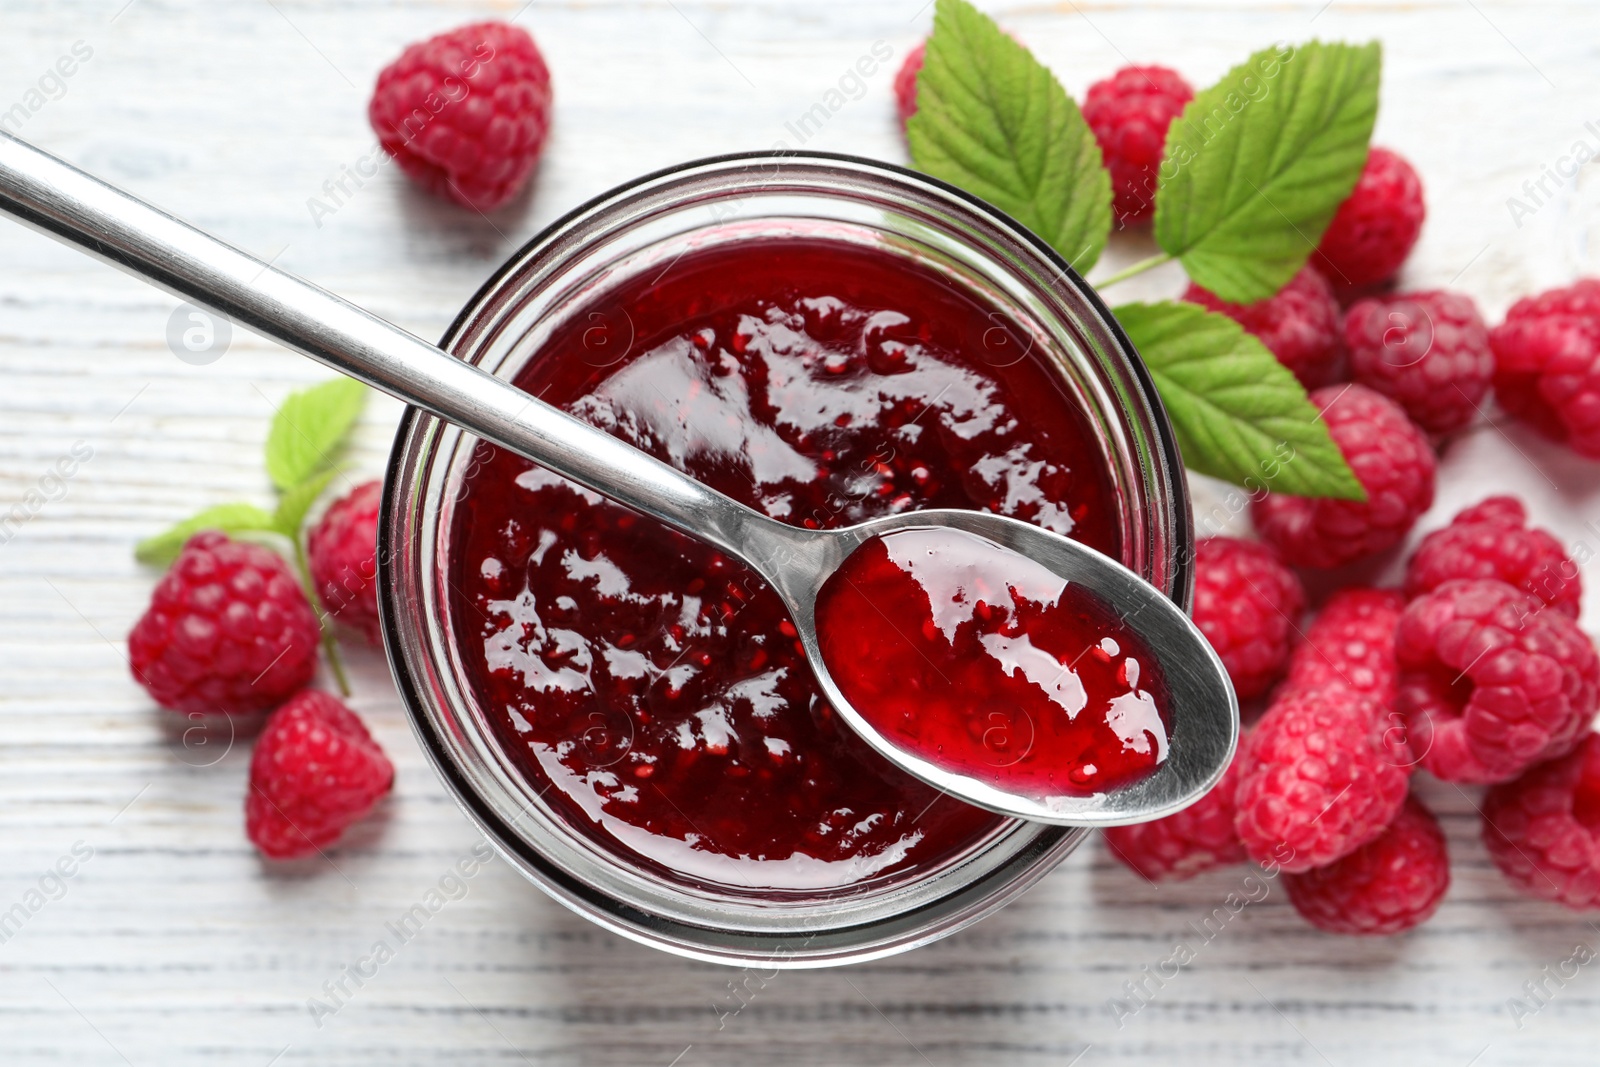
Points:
(987, 664)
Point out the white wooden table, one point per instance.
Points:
(174, 944)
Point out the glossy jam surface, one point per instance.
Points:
(985, 663)
(652, 688)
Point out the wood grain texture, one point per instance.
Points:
(174, 945)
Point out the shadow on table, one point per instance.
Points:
(439, 228)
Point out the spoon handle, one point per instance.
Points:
(76, 208)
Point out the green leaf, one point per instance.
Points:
(1238, 413)
(295, 502)
(994, 121)
(164, 547)
(309, 428)
(1257, 165)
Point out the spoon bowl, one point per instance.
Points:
(65, 203)
(1204, 710)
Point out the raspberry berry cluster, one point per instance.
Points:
(232, 630)
(1475, 671)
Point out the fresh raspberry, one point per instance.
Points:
(1493, 540)
(228, 630)
(1547, 364)
(905, 82)
(465, 113)
(1490, 683)
(1246, 602)
(1129, 113)
(1387, 886)
(1300, 325)
(1543, 829)
(1351, 643)
(1428, 352)
(1374, 229)
(315, 771)
(1316, 779)
(1391, 459)
(343, 551)
(1180, 846)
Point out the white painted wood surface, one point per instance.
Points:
(174, 944)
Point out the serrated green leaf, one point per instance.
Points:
(309, 428)
(164, 547)
(994, 121)
(1238, 413)
(295, 502)
(1257, 165)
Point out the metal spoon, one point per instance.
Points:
(60, 200)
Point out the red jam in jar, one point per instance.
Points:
(985, 663)
(649, 688)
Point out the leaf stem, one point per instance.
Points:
(330, 647)
(1138, 268)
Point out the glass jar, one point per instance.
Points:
(644, 226)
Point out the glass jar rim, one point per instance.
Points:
(622, 904)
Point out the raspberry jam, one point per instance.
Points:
(983, 662)
(652, 690)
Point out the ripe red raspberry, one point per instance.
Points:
(1428, 352)
(1547, 364)
(1300, 325)
(1493, 540)
(1351, 643)
(343, 551)
(465, 113)
(1180, 846)
(1387, 886)
(1490, 683)
(1374, 229)
(905, 82)
(228, 630)
(1543, 829)
(1392, 460)
(1246, 602)
(315, 771)
(1316, 779)
(1129, 113)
